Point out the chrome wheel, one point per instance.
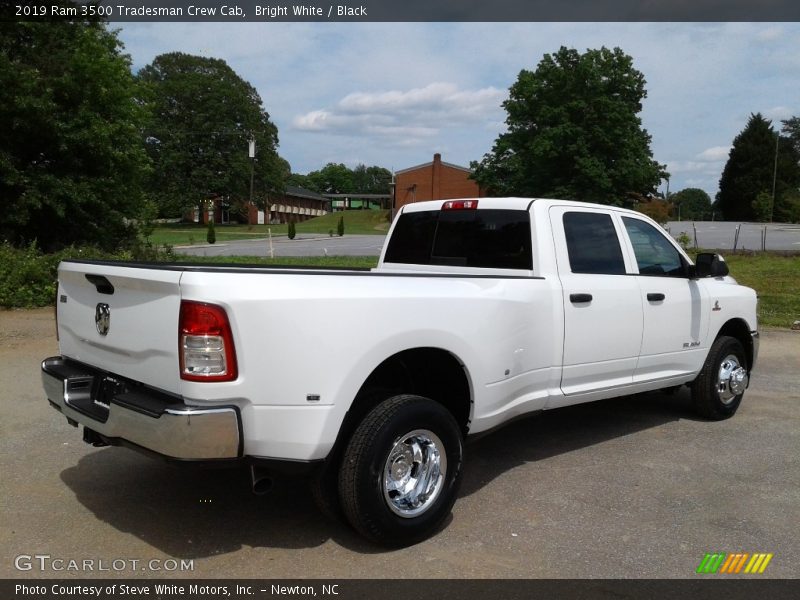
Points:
(414, 473)
(731, 380)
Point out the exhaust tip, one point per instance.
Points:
(261, 481)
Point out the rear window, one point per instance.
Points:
(493, 239)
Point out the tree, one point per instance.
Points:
(750, 170)
(762, 207)
(336, 178)
(791, 129)
(333, 178)
(656, 209)
(203, 117)
(371, 180)
(72, 165)
(694, 204)
(574, 132)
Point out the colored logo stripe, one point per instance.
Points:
(720, 562)
(758, 563)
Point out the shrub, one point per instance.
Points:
(684, 240)
(292, 231)
(340, 226)
(28, 277)
(211, 236)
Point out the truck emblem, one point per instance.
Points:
(716, 306)
(102, 318)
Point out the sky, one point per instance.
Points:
(393, 94)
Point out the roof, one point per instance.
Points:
(430, 164)
(299, 192)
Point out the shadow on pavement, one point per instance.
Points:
(195, 513)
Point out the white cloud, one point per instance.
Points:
(715, 154)
(415, 113)
(779, 113)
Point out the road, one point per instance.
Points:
(721, 235)
(635, 487)
(716, 235)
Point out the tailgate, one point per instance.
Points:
(121, 319)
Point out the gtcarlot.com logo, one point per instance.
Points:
(46, 562)
(734, 563)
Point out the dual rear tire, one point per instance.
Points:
(399, 473)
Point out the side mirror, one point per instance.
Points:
(710, 265)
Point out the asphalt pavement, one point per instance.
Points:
(722, 235)
(634, 487)
(710, 235)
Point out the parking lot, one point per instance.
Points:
(635, 487)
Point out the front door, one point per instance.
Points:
(674, 319)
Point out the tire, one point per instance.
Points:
(410, 441)
(719, 388)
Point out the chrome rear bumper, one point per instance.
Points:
(155, 421)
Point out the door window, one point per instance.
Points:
(655, 255)
(592, 244)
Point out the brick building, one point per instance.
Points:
(435, 180)
(294, 205)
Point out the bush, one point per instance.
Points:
(211, 236)
(28, 277)
(340, 226)
(684, 240)
(292, 231)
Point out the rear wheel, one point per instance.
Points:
(401, 470)
(720, 386)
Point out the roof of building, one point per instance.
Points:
(299, 192)
(430, 164)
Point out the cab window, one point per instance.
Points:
(592, 244)
(655, 255)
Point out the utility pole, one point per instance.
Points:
(252, 154)
(774, 176)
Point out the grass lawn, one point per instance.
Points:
(363, 222)
(776, 280)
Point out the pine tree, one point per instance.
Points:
(211, 234)
(748, 171)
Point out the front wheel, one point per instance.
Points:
(401, 470)
(718, 389)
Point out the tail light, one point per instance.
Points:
(205, 343)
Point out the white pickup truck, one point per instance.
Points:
(369, 381)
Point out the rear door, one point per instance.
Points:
(602, 304)
(121, 319)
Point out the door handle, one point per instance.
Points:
(651, 297)
(578, 298)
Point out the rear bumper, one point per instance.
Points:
(124, 412)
